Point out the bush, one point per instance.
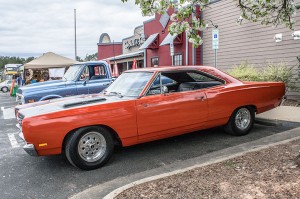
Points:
(245, 72)
(278, 72)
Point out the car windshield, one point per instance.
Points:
(72, 72)
(129, 84)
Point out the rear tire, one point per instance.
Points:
(4, 89)
(241, 121)
(89, 147)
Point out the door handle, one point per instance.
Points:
(145, 105)
(202, 98)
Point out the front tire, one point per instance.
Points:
(241, 121)
(89, 147)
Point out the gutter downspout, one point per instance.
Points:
(186, 48)
(145, 58)
(193, 49)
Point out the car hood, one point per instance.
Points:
(41, 86)
(4, 83)
(73, 102)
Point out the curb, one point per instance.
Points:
(268, 122)
(112, 188)
(116, 192)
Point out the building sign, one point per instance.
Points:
(134, 42)
(215, 38)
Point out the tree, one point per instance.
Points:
(13, 60)
(265, 11)
(92, 57)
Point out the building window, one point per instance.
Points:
(154, 61)
(177, 60)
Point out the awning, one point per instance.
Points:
(139, 55)
(49, 60)
(168, 39)
(149, 41)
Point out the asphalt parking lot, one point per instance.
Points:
(23, 176)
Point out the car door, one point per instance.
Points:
(81, 83)
(170, 113)
(99, 79)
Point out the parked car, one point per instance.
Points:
(140, 107)
(81, 78)
(5, 86)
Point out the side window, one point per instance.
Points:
(199, 77)
(98, 72)
(155, 87)
(85, 74)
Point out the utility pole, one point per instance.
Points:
(75, 34)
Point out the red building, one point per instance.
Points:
(151, 45)
(158, 51)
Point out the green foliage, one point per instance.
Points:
(245, 71)
(13, 60)
(92, 57)
(264, 11)
(278, 72)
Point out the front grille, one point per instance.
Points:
(20, 118)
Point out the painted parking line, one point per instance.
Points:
(8, 113)
(13, 140)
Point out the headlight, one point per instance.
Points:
(20, 118)
(20, 99)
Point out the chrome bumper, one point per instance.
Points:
(29, 148)
(20, 99)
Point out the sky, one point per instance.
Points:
(33, 27)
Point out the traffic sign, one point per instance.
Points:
(215, 38)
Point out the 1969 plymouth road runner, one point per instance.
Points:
(140, 106)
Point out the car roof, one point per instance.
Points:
(90, 62)
(207, 69)
(172, 68)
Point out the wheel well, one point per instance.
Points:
(250, 105)
(116, 137)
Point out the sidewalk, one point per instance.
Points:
(280, 114)
(274, 117)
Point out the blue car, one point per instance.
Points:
(81, 78)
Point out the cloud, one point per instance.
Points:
(33, 27)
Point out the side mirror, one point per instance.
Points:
(84, 83)
(165, 89)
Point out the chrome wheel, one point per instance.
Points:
(92, 146)
(243, 118)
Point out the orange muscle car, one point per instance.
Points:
(140, 106)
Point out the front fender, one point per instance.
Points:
(47, 97)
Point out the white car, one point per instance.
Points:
(5, 86)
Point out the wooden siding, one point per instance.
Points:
(250, 42)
